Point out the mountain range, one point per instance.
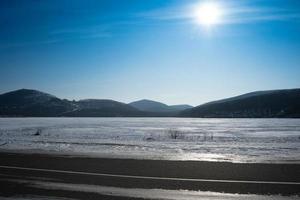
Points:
(33, 103)
(261, 104)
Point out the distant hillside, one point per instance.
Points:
(26, 102)
(273, 103)
(150, 106)
(180, 107)
(154, 106)
(103, 108)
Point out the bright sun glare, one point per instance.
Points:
(208, 14)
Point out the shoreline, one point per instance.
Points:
(97, 155)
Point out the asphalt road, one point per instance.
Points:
(65, 176)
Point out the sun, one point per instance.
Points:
(208, 14)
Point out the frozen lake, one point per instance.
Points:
(234, 140)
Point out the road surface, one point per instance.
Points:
(91, 178)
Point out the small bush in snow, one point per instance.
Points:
(175, 134)
(38, 132)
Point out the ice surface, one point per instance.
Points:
(234, 140)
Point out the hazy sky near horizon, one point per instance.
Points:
(128, 50)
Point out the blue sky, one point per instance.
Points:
(134, 49)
